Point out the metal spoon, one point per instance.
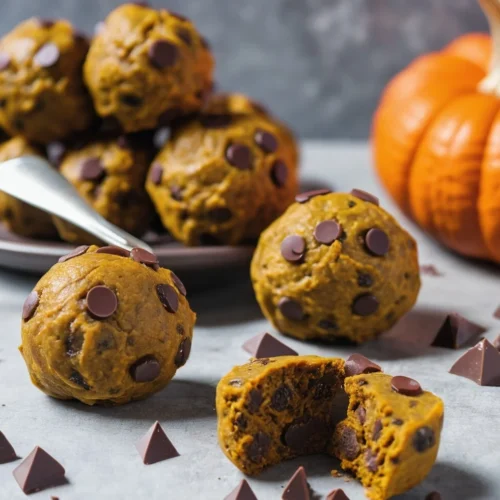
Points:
(33, 180)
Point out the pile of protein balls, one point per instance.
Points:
(130, 120)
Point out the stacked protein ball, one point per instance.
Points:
(93, 107)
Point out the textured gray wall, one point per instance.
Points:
(319, 64)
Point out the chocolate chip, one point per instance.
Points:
(216, 120)
(397, 421)
(30, 305)
(347, 443)
(45, 23)
(101, 302)
(91, 169)
(423, 439)
(406, 386)
(279, 173)
(371, 461)
(168, 297)
(155, 446)
(306, 434)
(291, 309)
(365, 280)
(365, 305)
(178, 284)
(144, 257)
(145, 369)
(356, 364)
(47, 55)
(377, 430)
(328, 324)
(77, 378)
(281, 397)
(131, 100)
(240, 156)
(293, 248)
(113, 250)
(75, 253)
(327, 232)
(180, 329)
(254, 400)
(377, 242)
(4, 60)
(323, 387)
(220, 214)
(259, 447)
(304, 197)
(266, 141)
(363, 195)
(184, 35)
(183, 352)
(163, 54)
(361, 414)
(433, 495)
(7, 453)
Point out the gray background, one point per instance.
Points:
(320, 64)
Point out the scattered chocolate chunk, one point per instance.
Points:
(259, 447)
(4, 60)
(281, 398)
(291, 309)
(30, 305)
(75, 253)
(239, 156)
(496, 343)
(305, 434)
(348, 443)
(430, 270)
(365, 305)
(178, 284)
(433, 495)
(456, 331)
(293, 248)
(162, 54)
(363, 195)
(371, 460)
(113, 250)
(279, 173)
(327, 232)
(297, 488)
(168, 297)
(155, 446)
(220, 214)
(77, 378)
(215, 120)
(39, 471)
(265, 140)
(47, 55)
(377, 429)
(423, 439)
(242, 492)
(265, 345)
(406, 386)
(101, 302)
(365, 280)
(337, 495)
(361, 414)
(356, 364)
(55, 152)
(144, 257)
(480, 363)
(255, 400)
(91, 169)
(145, 369)
(377, 242)
(7, 453)
(183, 352)
(305, 197)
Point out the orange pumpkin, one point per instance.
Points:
(436, 140)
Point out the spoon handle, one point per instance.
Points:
(33, 180)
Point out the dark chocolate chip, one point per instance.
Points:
(254, 400)
(183, 352)
(45, 23)
(239, 156)
(361, 414)
(113, 250)
(7, 453)
(77, 378)
(363, 195)
(327, 232)
(279, 173)
(220, 214)
(216, 120)
(155, 446)
(101, 302)
(347, 443)
(433, 495)
(281, 398)
(180, 329)
(144, 257)
(371, 461)
(291, 309)
(178, 284)
(365, 280)
(132, 100)
(323, 388)
(377, 430)
(91, 169)
(304, 197)
(75, 253)
(406, 386)
(293, 248)
(163, 54)
(356, 364)
(145, 369)
(423, 439)
(351, 204)
(30, 305)
(265, 346)
(377, 242)
(265, 140)
(168, 297)
(47, 55)
(259, 447)
(365, 305)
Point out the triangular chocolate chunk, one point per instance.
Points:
(337, 495)
(39, 471)
(297, 488)
(480, 364)
(456, 331)
(155, 446)
(242, 492)
(266, 346)
(7, 453)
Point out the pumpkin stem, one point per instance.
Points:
(491, 83)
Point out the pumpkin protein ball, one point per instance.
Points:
(335, 266)
(106, 326)
(146, 67)
(274, 409)
(42, 93)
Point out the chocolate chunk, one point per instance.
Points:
(365, 280)
(73, 344)
(155, 446)
(101, 302)
(113, 250)
(178, 284)
(215, 120)
(347, 443)
(168, 297)
(47, 55)
(327, 232)
(7, 453)
(430, 270)
(324, 386)
(4, 60)
(183, 352)
(279, 173)
(259, 447)
(377, 242)
(456, 331)
(293, 248)
(433, 495)
(304, 197)
(77, 378)
(162, 54)
(423, 439)
(306, 434)
(265, 140)
(356, 364)
(371, 461)
(145, 369)
(254, 400)
(281, 398)
(377, 430)
(75, 253)
(220, 214)
(242, 492)
(239, 156)
(180, 329)
(144, 257)
(265, 345)
(480, 363)
(39, 471)
(363, 195)
(406, 386)
(297, 488)
(337, 495)
(361, 414)
(496, 343)
(92, 169)
(365, 305)
(291, 309)
(30, 305)
(45, 23)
